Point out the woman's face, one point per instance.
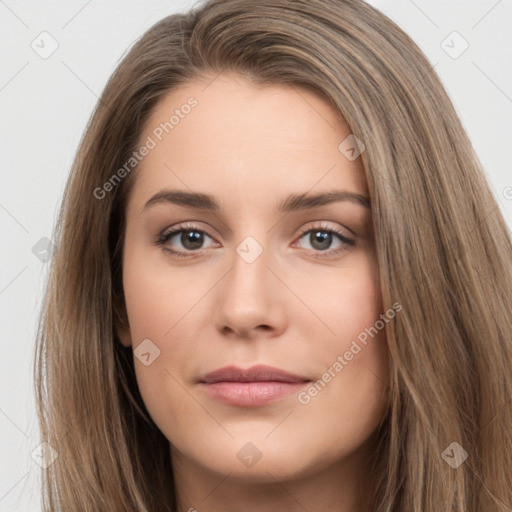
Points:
(265, 277)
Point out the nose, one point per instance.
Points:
(250, 300)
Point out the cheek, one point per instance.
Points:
(160, 305)
(351, 305)
(157, 296)
(352, 390)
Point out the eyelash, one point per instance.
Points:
(163, 237)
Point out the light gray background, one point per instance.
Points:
(45, 104)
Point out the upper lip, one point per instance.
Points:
(256, 373)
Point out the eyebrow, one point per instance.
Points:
(294, 202)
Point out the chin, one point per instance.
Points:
(262, 461)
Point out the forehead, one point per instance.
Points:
(230, 137)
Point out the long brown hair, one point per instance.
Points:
(444, 253)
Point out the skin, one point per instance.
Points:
(250, 147)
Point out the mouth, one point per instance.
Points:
(251, 387)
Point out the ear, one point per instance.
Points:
(121, 324)
(124, 336)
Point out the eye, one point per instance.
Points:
(191, 239)
(320, 239)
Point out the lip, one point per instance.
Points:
(252, 387)
(258, 373)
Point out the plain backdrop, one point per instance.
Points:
(46, 102)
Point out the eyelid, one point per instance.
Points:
(323, 226)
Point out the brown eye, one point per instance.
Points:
(190, 240)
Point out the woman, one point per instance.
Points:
(194, 354)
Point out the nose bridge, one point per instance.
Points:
(248, 296)
(249, 274)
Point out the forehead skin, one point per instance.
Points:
(242, 142)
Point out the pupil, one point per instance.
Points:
(322, 237)
(191, 239)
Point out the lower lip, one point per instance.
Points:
(252, 394)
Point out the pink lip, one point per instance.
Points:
(255, 386)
